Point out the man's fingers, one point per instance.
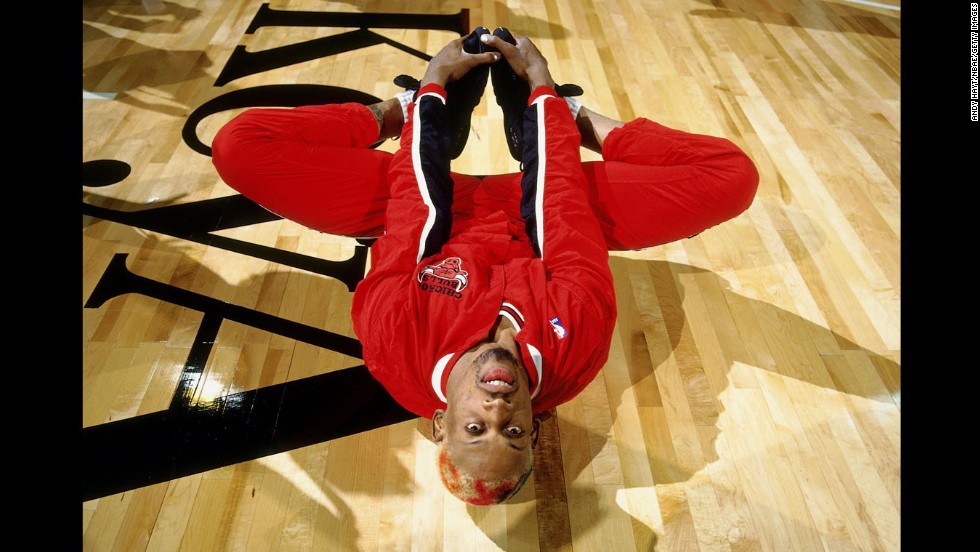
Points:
(486, 57)
(469, 61)
(505, 48)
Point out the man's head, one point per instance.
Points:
(487, 432)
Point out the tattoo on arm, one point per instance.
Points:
(379, 116)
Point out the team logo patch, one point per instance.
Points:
(559, 329)
(447, 277)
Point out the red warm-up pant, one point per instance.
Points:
(314, 165)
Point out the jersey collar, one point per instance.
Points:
(440, 372)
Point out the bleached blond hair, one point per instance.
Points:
(477, 490)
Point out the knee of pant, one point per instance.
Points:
(744, 182)
(234, 151)
(221, 144)
(233, 140)
(231, 163)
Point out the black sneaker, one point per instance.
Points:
(568, 90)
(408, 83)
(512, 94)
(463, 95)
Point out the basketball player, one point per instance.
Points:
(489, 301)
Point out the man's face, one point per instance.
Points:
(487, 424)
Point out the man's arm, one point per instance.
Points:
(554, 201)
(559, 220)
(419, 214)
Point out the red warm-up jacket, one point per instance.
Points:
(437, 286)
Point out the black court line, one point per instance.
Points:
(158, 447)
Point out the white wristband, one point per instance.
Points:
(573, 106)
(405, 98)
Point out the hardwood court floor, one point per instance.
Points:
(752, 398)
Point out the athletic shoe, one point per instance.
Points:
(408, 83)
(463, 95)
(512, 94)
(566, 90)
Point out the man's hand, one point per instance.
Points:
(524, 58)
(452, 63)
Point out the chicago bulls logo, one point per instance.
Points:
(447, 277)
